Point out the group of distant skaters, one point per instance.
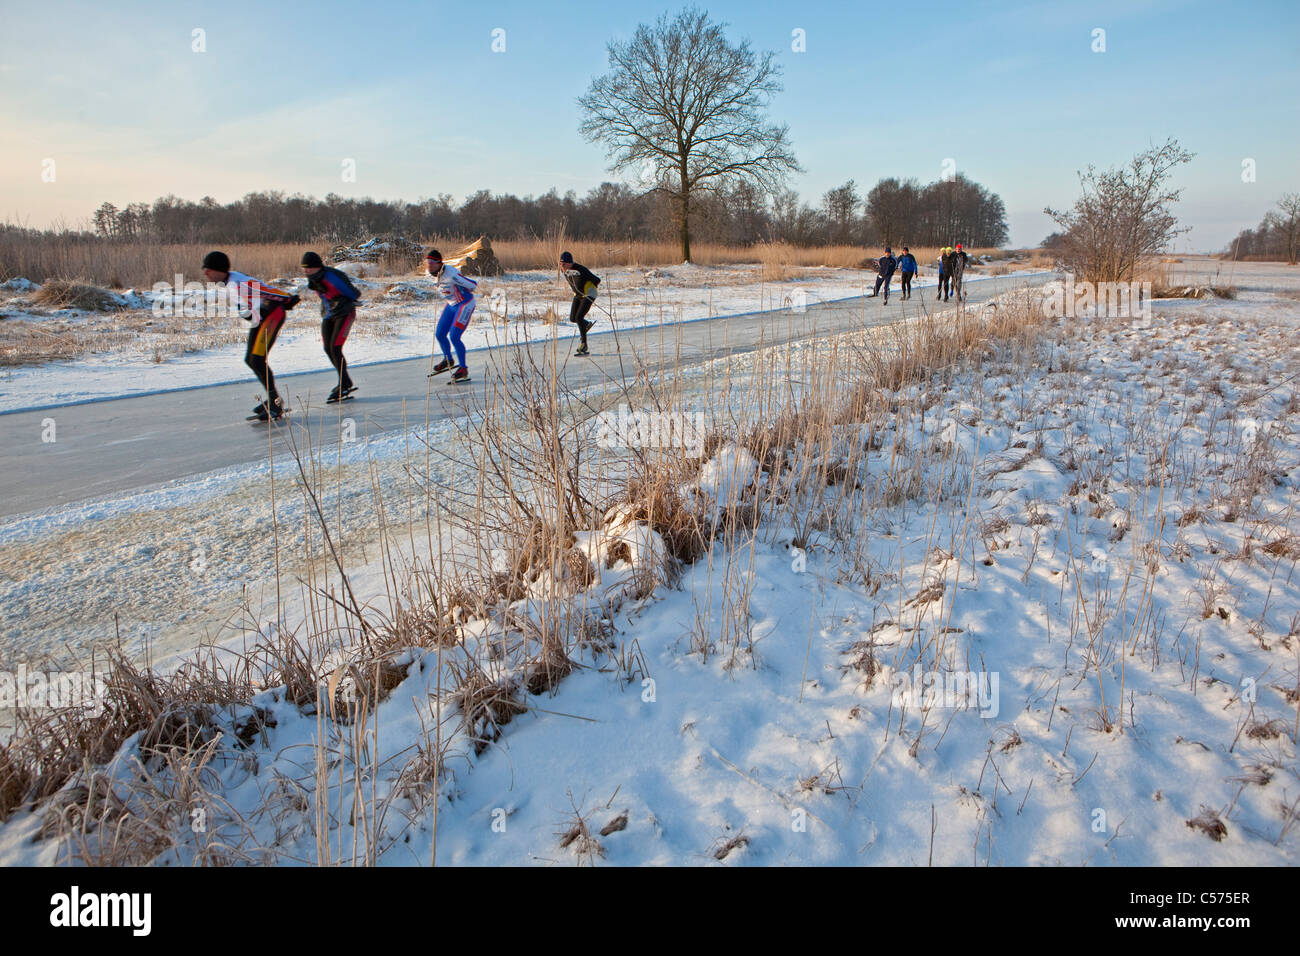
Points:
(952, 267)
(265, 309)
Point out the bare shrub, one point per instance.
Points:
(1123, 216)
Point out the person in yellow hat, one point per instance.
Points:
(949, 271)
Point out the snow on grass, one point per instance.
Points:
(1036, 609)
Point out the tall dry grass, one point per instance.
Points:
(777, 258)
(122, 265)
(138, 264)
(539, 254)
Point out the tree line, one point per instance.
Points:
(1276, 237)
(894, 211)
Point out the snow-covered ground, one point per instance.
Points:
(1046, 613)
(397, 320)
(1247, 276)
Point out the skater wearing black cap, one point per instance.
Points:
(338, 309)
(264, 309)
(885, 273)
(583, 282)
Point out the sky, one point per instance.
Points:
(125, 101)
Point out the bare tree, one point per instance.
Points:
(890, 206)
(105, 220)
(685, 109)
(1286, 220)
(1123, 215)
(795, 222)
(840, 204)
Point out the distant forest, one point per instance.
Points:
(893, 211)
(1276, 237)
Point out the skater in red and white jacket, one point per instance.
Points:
(264, 308)
(458, 290)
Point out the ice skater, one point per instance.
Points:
(264, 309)
(959, 259)
(906, 271)
(458, 291)
(583, 282)
(944, 292)
(338, 310)
(885, 268)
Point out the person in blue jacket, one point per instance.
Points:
(906, 270)
(338, 309)
(885, 268)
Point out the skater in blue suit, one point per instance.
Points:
(458, 291)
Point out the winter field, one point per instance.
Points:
(981, 588)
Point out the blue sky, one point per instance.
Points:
(1012, 92)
